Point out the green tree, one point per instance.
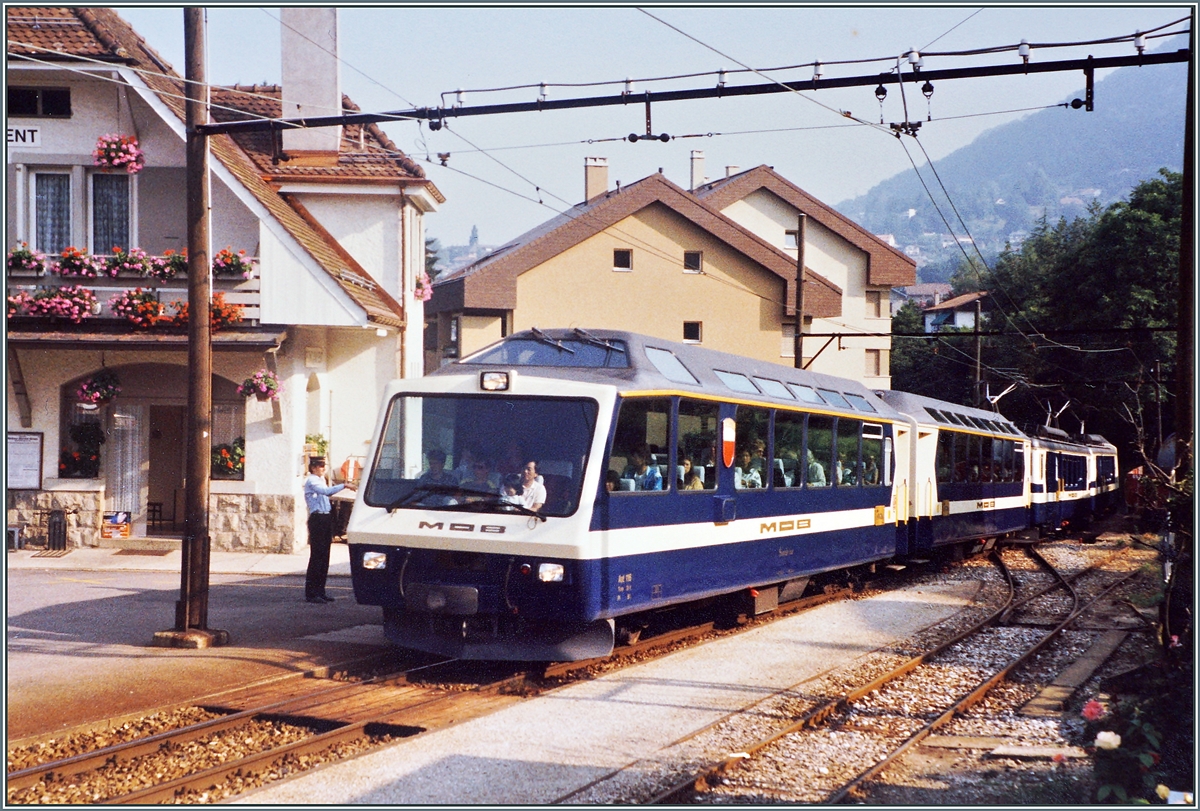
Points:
(432, 246)
(932, 366)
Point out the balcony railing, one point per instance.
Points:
(30, 279)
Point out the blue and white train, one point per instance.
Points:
(672, 474)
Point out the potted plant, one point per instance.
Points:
(18, 303)
(84, 461)
(220, 313)
(74, 262)
(263, 385)
(99, 388)
(424, 288)
(139, 307)
(22, 260)
(119, 152)
(232, 265)
(70, 301)
(316, 445)
(132, 262)
(229, 459)
(169, 265)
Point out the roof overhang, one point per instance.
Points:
(228, 340)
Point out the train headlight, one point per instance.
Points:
(495, 381)
(374, 560)
(550, 572)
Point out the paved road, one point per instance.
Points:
(79, 640)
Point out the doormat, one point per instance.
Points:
(52, 553)
(151, 552)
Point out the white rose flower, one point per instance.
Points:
(1107, 740)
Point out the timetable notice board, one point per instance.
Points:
(24, 460)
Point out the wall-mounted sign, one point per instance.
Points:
(24, 138)
(24, 460)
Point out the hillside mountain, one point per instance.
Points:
(1053, 163)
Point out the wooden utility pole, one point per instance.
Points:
(798, 341)
(1185, 323)
(978, 353)
(191, 611)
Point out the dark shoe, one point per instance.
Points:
(318, 600)
(328, 599)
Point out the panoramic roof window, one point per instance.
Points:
(806, 393)
(669, 365)
(860, 402)
(833, 398)
(774, 388)
(547, 351)
(954, 418)
(937, 415)
(737, 382)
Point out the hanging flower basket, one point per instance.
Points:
(99, 388)
(119, 152)
(424, 288)
(232, 265)
(74, 262)
(139, 307)
(23, 260)
(69, 301)
(263, 385)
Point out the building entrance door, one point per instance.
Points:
(168, 451)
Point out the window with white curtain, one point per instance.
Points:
(110, 213)
(51, 212)
(126, 466)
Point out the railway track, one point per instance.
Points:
(853, 736)
(258, 734)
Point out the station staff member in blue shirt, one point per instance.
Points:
(320, 529)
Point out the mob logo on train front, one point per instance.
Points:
(491, 529)
(790, 525)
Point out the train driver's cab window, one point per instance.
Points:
(848, 464)
(786, 467)
(640, 457)
(750, 448)
(697, 451)
(818, 452)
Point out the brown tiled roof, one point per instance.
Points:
(958, 301)
(100, 33)
(491, 282)
(885, 264)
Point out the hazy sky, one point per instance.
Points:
(399, 58)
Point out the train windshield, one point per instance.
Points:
(468, 452)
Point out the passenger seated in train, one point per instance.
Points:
(511, 489)
(533, 494)
(745, 476)
(758, 457)
(481, 478)
(612, 480)
(815, 472)
(871, 471)
(690, 477)
(644, 475)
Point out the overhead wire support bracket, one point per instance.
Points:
(1088, 66)
(649, 136)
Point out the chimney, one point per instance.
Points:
(312, 82)
(730, 171)
(697, 169)
(595, 177)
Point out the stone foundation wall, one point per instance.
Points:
(247, 522)
(29, 509)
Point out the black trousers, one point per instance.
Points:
(320, 538)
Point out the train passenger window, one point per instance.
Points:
(641, 445)
(774, 388)
(860, 403)
(985, 459)
(750, 449)
(954, 419)
(962, 466)
(1001, 460)
(697, 449)
(833, 398)
(818, 451)
(937, 415)
(945, 457)
(737, 382)
(974, 465)
(872, 453)
(806, 393)
(786, 470)
(672, 368)
(848, 465)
